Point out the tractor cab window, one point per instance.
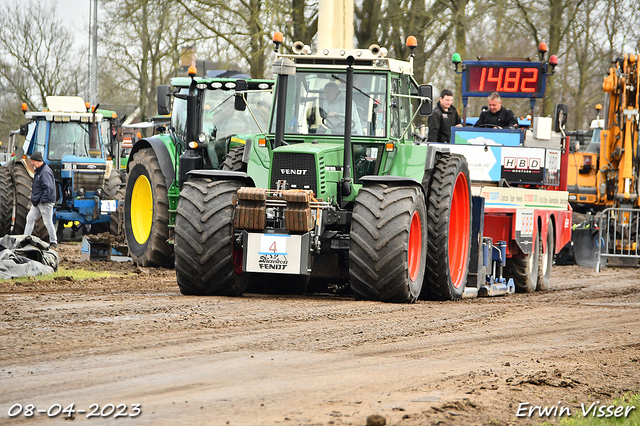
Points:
(220, 120)
(316, 103)
(36, 136)
(394, 113)
(70, 138)
(179, 116)
(107, 135)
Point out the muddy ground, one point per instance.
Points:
(313, 359)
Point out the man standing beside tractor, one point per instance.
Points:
(444, 117)
(43, 198)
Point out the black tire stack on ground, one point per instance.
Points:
(440, 197)
(155, 251)
(204, 239)
(379, 245)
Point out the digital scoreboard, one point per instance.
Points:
(510, 79)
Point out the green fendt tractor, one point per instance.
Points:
(202, 116)
(340, 190)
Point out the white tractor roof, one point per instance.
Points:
(66, 104)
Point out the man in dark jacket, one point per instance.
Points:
(43, 198)
(497, 117)
(444, 117)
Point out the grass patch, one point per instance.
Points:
(627, 400)
(76, 274)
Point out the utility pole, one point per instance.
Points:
(335, 24)
(94, 55)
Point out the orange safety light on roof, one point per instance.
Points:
(24, 107)
(87, 105)
(542, 47)
(192, 71)
(412, 42)
(277, 40)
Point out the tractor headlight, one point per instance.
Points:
(202, 138)
(99, 192)
(67, 166)
(81, 192)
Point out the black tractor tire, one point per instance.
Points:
(388, 243)
(449, 227)
(112, 190)
(147, 233)
(524, 269)
(546, 259)
(207, 263)
(6, 200)
(22, 183)
(233, 160)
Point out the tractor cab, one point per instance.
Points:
(323, 117)
(75, 143)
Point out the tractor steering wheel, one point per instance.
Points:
(336, 122)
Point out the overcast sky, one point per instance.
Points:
(75, 13)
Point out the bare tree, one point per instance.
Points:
(142, 40)
(244, 26)
(37, 51)
(551, 21)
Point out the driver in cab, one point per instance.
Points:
(497, 117)
(334, 111)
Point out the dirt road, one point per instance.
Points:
(310, 360)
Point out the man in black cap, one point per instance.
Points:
(43, 198)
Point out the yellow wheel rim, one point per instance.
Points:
(141, 209)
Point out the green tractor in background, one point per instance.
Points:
(350, 198)
(206, 132)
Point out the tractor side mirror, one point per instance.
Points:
(241, 94)
(426, 105)
(164, 99)
(24, 129)
(560, 117)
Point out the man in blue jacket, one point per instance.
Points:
(43, 198)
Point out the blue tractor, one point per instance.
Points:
(79, 145)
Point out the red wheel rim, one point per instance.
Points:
(459, 223)
(415, 246)
(237, 261)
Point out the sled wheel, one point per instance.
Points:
(546, 259)
(524, 269)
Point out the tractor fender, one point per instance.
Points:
(223, 175)
(393, 180)
(430, 161)
(162, 154)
